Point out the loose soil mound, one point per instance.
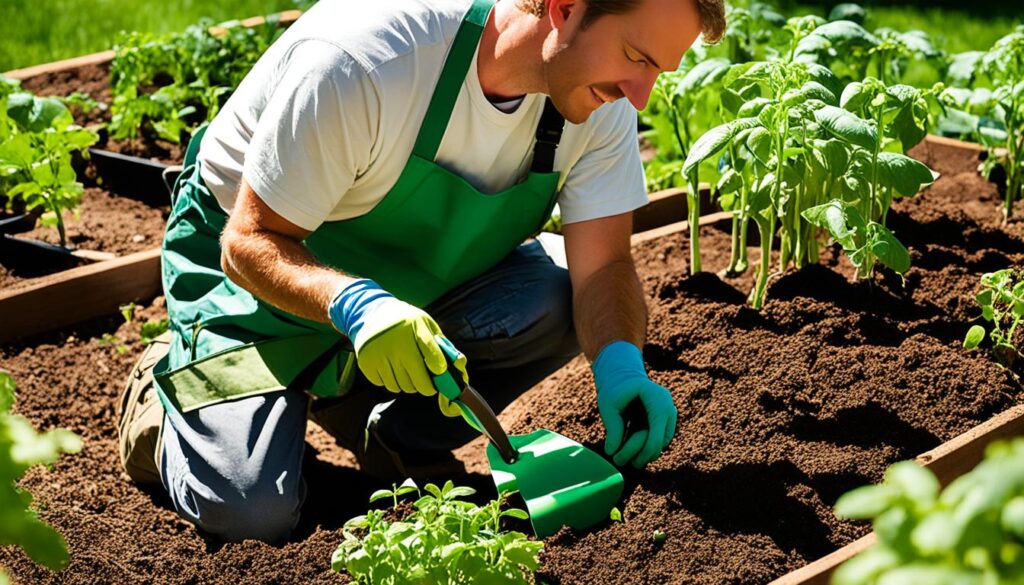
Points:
(106, 223)
(780, 412)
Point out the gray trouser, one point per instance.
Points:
(233, 469)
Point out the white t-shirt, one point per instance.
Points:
(323, 125)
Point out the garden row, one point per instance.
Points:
(782, 409)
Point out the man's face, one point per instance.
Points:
(618, 55)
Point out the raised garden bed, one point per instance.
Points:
(780, 413)
(90, 74)
(108, 224)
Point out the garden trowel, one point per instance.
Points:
(561, 481)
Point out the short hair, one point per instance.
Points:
(712, 13)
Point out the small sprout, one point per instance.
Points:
(615, 515)
(128, 312)
(659, 536)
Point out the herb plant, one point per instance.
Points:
(38, 138)
(22, 447)
(167, 85)
(443, 540)
(970, 533)
(1002, 304)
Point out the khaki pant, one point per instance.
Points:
(141, 416)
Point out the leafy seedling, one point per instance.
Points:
(1002, 305)
(443, 540)
(615, 515)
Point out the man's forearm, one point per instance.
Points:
(610, 307)
(281, 271)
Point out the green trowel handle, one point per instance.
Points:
(475, 409)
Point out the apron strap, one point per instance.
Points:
(549, 133)
(460, 56)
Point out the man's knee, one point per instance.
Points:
(234, 497)
(259, 511)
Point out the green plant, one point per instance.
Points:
(152, 329)
(877, 171)
(167, 85)
(996, 113)
(615, 515)
(38, 138)
(443, 540)
(1002, 304)
(109, 339)
(149, 330)
(22, 447)
(971, 533)
(853, 53)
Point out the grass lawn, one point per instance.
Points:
(955, 31)
(40, 31)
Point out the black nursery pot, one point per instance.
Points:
(130, 176)
(28, 258)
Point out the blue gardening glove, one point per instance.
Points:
(394, 341)
(620, 378)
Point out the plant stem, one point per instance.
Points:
(767, 232)
(693, 212)
(60, 219)
(741, 264)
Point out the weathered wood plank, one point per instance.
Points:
(78, 294)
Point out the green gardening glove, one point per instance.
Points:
(393, 340)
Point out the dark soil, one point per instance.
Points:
(106, 223)
(94, 81)
(780, 413)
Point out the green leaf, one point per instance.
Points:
(848, 11)
(1012, 518)
(460, 492)
(35, 114)
(889, 250)
(729, 182)
(906, 175)
(975, 335)
(832, 216)
(381, 494)
(816, 91)
(843, 124)
(515, 513)
(866, 502)
(845, 33)
(936, 535)
(915, 482)
(713, 141)
(759, 144)
(924, 574)
(702, 75)
(855, 96)
(823, 75)
(865, 567)
(7, 388)
(615, 515)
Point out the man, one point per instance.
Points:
(366, 191)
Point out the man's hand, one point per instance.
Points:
(620, 378)
(394, 341)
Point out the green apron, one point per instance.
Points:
(430, 233)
